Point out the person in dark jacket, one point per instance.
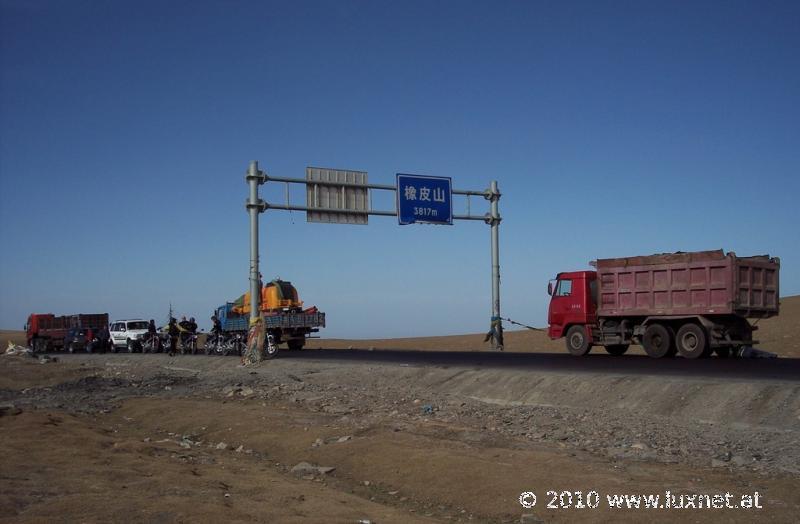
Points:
(152, 334)
(189, 336)
(173, 331)
(215, 335)
(216, 325)
(104, 338)
(185, 332)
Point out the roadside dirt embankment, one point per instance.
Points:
(739, 402)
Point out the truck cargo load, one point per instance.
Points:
(706, 282)
(277, 294)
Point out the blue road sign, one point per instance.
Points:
(424, 199)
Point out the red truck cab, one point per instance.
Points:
(573, 302)
(45, 331)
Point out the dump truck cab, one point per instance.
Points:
(573, 301)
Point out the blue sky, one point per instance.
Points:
(613, 129)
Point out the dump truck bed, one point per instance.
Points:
(91, 320)
(698, 283)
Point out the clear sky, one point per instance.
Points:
(613, 129)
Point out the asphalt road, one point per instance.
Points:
(777, 369)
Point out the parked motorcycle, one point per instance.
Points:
(235, 345)
(188, 343)
(213, 342)
(152, 344)
(223, 344)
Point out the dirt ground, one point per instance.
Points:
(116, 437)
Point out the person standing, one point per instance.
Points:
(103, 338)
(185, 333)
(173, 331)
(152, 335)
(192, 327)
(216, 325)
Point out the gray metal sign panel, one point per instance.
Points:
(353, 201)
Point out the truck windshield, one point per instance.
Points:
(137, 325)
(564, 288)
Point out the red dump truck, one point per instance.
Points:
(47, 332)
(688, 303)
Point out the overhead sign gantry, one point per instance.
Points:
(342, 196)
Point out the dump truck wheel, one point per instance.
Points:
(577, 341)
(617, 349)
(691, 341)
(657, 341)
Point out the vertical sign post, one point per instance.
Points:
(254, 206)
(494, 222)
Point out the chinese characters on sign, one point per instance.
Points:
(424, 199)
